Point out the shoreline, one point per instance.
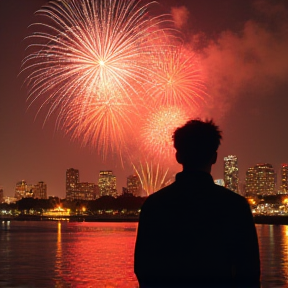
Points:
(271, 220)
(73, 218)
(258, 219)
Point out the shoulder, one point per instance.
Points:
(158, 197)
(233, 196)
(235, 203)
(232, 200)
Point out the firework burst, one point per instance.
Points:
(176, 78)
(157, 131)
(86, 63)
(98, 125)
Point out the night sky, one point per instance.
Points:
(243, 46)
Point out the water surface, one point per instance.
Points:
(81, 254)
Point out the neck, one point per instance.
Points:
(206, 169)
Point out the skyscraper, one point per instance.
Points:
(83, 191)
(72, 178)
(260, 180)
(251, 182)
(284, 178)
(1, 195)
(134, 185)
(23, 190)
(76, 190)
(231, 178)
(107, 183)
(40, 190)
(266, 179)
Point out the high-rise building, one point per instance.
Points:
(251, 182)
(72, 178)
(1, 195)
(83, 191)
(266, 179)
(20, 189)
(76, 190)
(260, 180)
(107, 183)
(284, 178)
(40, 190)
(23, 190)
(134, 185)
(231, 178)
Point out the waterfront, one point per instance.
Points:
(79, 254)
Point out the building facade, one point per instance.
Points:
(72, 178)
(23, 190)
(76, 190)
(1, 195)
(251, 182)
(134, 185)
(260, 180)
(107, 183)
(40, 190)
(83, 191)
(231, 178)
(284, 179)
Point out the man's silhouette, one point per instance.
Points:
(194, 233)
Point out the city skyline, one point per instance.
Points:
(244, 59)
(246, 186)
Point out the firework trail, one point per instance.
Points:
(86, 63)
(152, 176)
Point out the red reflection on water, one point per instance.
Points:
(96, 255)
(273, 246)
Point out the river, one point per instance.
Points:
(97, 254)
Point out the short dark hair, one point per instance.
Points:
(197, 141)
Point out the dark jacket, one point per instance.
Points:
(194, 233)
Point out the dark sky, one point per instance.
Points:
(243, 46)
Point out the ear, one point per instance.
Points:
(214, 158)
(178, 158)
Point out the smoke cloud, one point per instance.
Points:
(180, 16)
(250, 63)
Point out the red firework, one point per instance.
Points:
(86, 63)
(157, 131)
(176, 77)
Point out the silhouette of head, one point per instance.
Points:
(196, 144)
